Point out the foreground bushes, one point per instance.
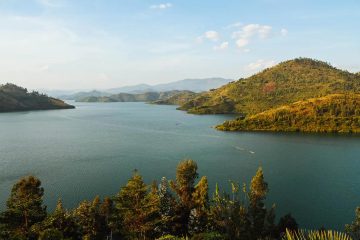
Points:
(179, 209)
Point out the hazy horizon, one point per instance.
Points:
(63, 44)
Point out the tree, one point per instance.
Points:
(353, 229)
(166, 208)
(24, 208)
(186, 174)
(261, 221)
(135, 208)
(60, 221)
(88, 216)
(106, 211)
(199, 214)
(229, 215)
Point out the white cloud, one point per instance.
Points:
(260, 64)
(222, 46)
(161, 6)
(234, 25)
(212, 35)
(249, 32)
(284, 32)
(209, 35)
(242, 42)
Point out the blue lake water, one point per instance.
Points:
(94, 148)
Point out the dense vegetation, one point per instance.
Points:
(179, 209)
(177, 99)
(270, 91)
(14, 98)
(140, 97)
(288, 82)
(332, 113)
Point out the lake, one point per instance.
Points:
(94, 148)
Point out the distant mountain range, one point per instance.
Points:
(193, 85)
(137, 97)
(15, 98)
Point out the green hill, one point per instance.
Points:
(332, 113)
(288, 82)
(15, 98)
(177, 99)
(141, 97)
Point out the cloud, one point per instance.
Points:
(212, 35)
(161, 6)
(209, 35)
(260, 64)
(284, 32)
(242, 42)
(249, 32)
(222, 46)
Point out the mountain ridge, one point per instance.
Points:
(193, 85)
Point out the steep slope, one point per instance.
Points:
(332, 113)
(14, 98)
(285, 83)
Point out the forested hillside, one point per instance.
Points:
(285, 83)
(332, 113)
(15, 98)
(177, 99)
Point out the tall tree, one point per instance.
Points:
(186, 174)
(24, 208)
(260, 222)
(166, 208)
(89, 217)
(199, 214)
(135, 208)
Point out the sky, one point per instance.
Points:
(100, 44)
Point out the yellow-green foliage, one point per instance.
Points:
(288, 82)
(332, 113)
(316, 235)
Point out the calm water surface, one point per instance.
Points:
(94, 148)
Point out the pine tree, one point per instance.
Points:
(24, 208)
(59, 221)
(166, 208)
(186, 174)
(88, 216)
(199, 214)
(134, 207)
(257, 210)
